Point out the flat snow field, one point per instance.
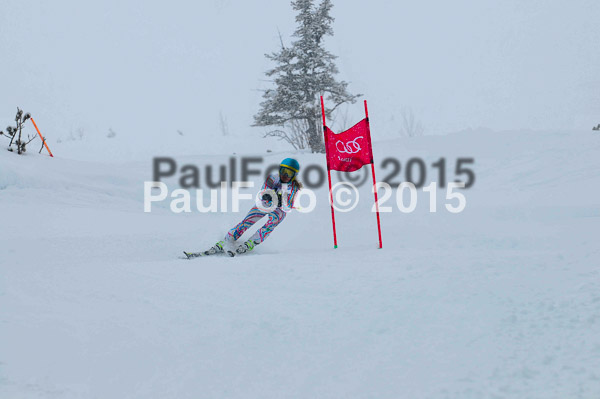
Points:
(501, 300)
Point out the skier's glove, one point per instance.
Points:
(267, 198)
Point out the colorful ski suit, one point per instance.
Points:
(274, 183)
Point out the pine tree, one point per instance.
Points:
(304, 72)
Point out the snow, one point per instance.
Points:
(499, 301)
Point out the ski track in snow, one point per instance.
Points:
(500, 301)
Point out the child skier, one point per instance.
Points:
(288, 170)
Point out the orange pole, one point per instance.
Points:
(42, 137)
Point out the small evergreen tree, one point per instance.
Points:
(14, 133)
(304, 72)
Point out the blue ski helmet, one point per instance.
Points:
(290, 163)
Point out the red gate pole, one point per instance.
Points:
(329, 174)
(374, 181)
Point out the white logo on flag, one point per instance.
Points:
(350, 147)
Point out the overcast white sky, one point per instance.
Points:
(152, 67)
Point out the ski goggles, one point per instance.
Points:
(286, 172)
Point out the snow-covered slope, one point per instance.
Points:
(501, 300)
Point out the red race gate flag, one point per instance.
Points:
(350, 150)
(347, 152)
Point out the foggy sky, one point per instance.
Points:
(149, 68)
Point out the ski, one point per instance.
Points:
(242, 249)
(216, 249)
(220, 249)
(235, 253)
(192, 255)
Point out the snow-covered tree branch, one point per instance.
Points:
(15, 133)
